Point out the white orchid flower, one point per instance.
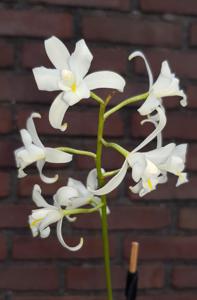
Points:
(176, 163)
(70, 77)
(34, 151)
(41, 219)
(165, 85)
(150, 168)
(75, 194)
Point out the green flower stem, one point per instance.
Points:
(115, 146)
(76, 151)
(105, 236)
(110, 173)
(97, 98)
(76, 211)
(124, 103)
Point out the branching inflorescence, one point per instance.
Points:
(148, 169)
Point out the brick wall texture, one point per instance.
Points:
(165, 221)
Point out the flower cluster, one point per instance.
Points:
(148, 169)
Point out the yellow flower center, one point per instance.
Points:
(74, 87)
(35, 222)
(150, 184)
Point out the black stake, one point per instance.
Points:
(132, 275)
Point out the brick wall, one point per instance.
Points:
(164, 222)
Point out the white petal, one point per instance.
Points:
(138, 164)
(140, 54)
(49, 180)
(160, 155)
(52, 217)
(105, 79)
(57, 53)
(114, 182)
(182, 179)
(79, 186)
(37, 197)
(158, 129)
(150, 104)
(26, 138)
(80, 60)
(181, 151)
(64, 194)
(45, 232)
(46, 79)
(32, 130)
(56, 113)
(57, 156)
(61, 240)
(136, 188)
(159, 135)
(92, 181)
(82, 92)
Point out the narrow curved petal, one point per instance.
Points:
(49, 180)
(32, 129)
(82, 92)
(92, 181)
(114, 182)
(45, 233)
(56, 113)
(64, 194)
(37, 197)
(57, 156)
(80, 60)
(61, 240)
(159, 135)
(140, 54)
(71, 219)
(158, 129)
(57, 53)
(26, 138)
(46, 79)
(105, 79)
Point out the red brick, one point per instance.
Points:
(193, 32)
(172, 129)
(23, 89)
(93, 277)
(14, 216)
(111, 159)
(34, 248)
(43, 24)
(60, 298)
(5, 184)
(191, 93)
(80, 123)
(143, 32)
(133, 218)
(175, 59)
(29, 277)
(184, 7)
(187, 218)
(3, 247)
(6, 120)
(7, 153)
(7, 54)
(112, 4)
(164, 247)
(191, 157)
(115, 59)
(169, 296)
(184, 277)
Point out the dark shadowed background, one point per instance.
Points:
(165, 221)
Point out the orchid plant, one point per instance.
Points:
(148, 168)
